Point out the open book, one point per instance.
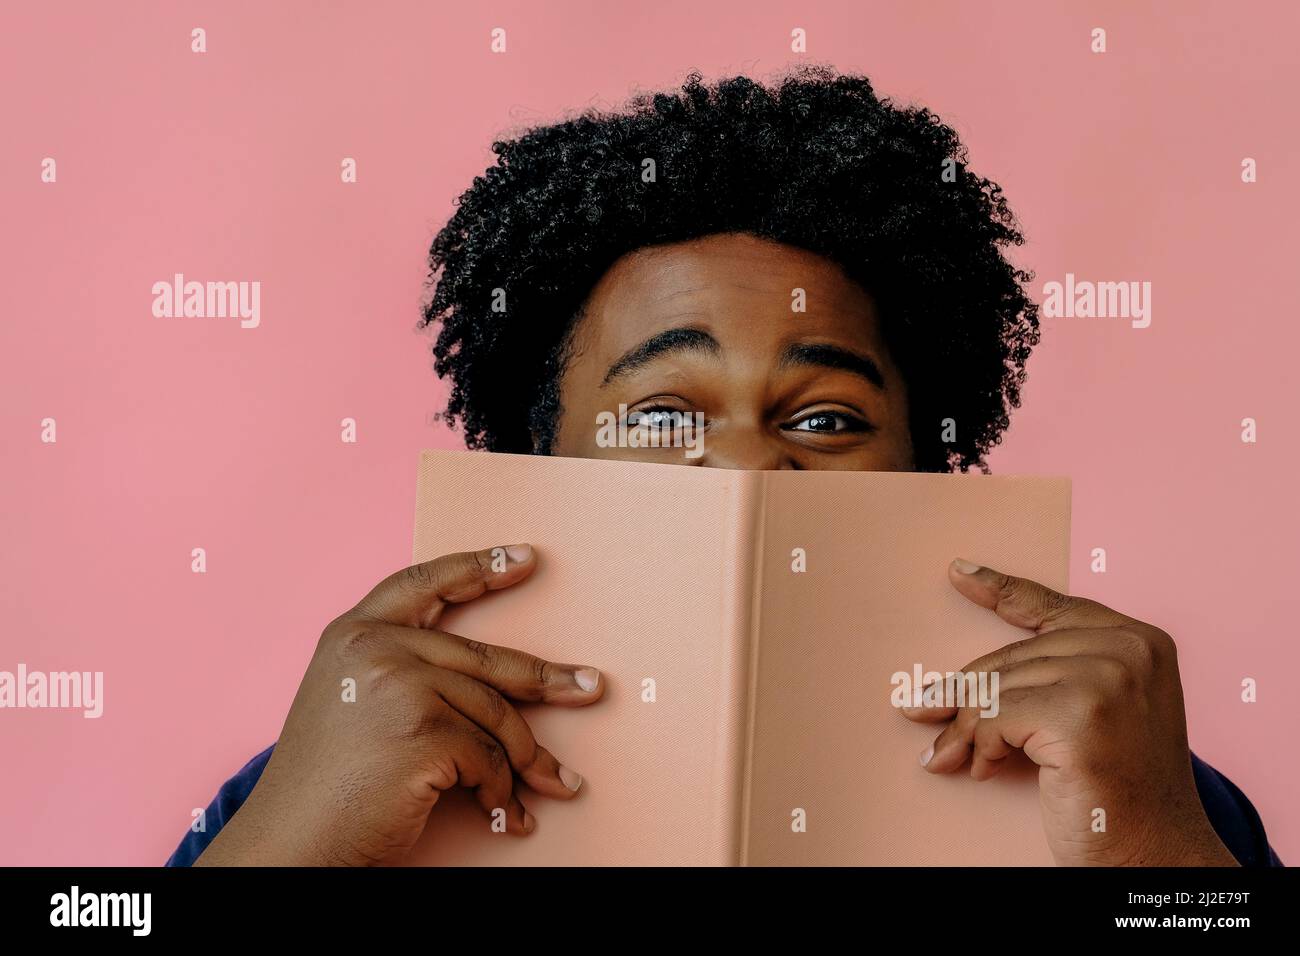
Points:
(751, 627)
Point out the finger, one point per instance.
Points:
(989, 749)
(982, 679)
(928, 714)
(416, 596)
(1027, 603)
(961, 738)
(517, 674)
(1027, 719)
(517, 811)
(483, 766)
(491, 712)
(1063, 646)
(950, 750)
(934, 704)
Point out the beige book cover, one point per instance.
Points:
(749, 626)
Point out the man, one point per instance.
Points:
(816, 272)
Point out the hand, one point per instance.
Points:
(1094, 699)
(352, 783)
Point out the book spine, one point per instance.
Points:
(750, 590)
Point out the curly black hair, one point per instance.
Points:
(815, 160)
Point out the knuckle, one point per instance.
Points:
(1141, 650)
(1016, 695)
(542, 671)
(418, 577)
(1055, 601)
(1007, 655)
(1116, 675)
(419, 718)
(496, 708)
(967, 719)
(529, 753)
(339, 626)
(1049, 605)
(1148, 647)
(1162, 643)
(484, 655)
(1020, 644)
(1009, 588)
(442, 772)
(988, 736)
(382, 675)
(1092, 707)
(358, 641)
(495, 755)
(1033, 599)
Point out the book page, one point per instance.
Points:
(643, 571)
(873, 601)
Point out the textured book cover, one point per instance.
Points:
(750, 627)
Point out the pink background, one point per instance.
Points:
(183, 433)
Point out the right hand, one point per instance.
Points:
(352, 783)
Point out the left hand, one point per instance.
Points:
(1093, 698)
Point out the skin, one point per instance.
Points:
(1090, 695)
(760, 413)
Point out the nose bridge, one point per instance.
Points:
(743, 447)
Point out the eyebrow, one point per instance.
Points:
(697, 340)
(657, 346)
(834, 357)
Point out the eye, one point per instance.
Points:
(665, 420)
(828, 422)
(657, 419)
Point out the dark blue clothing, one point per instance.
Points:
(229, 799)
(1234, 819)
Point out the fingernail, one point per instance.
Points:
(570, 778)
(965, 567)
(519, 553)
(529, 822)
(927, 756)
(587, 678)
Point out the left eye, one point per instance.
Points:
(827, 422)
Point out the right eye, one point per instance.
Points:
(660, 418)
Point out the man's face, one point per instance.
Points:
(707, 326)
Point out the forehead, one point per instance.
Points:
(729, 284)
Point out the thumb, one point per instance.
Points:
(416, 596)
(1027, 603)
